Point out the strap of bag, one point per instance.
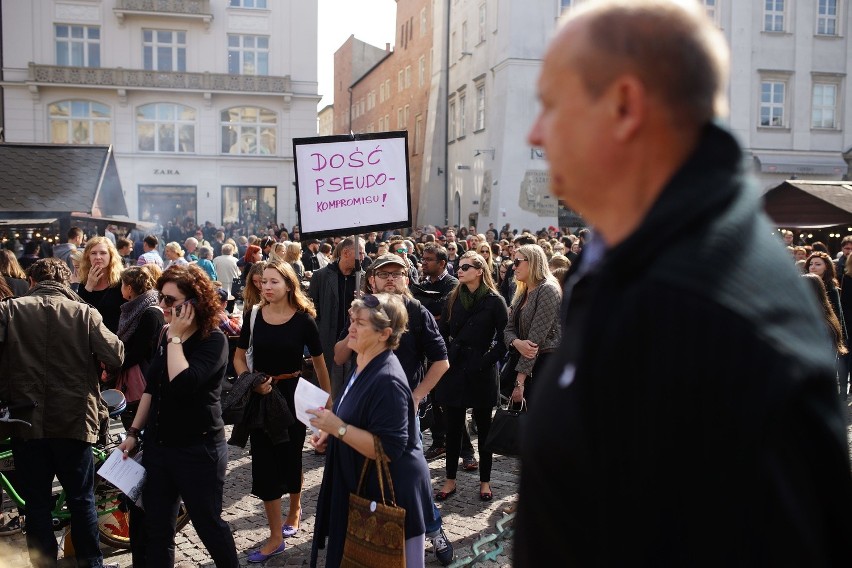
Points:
(382, 470)
(252, 319)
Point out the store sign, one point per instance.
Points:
(352, 184)
(158, 172)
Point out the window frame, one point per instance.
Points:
(835, 18)
(176, 48)
(784, 106)
(479, 124)
(421, 71)
(241, 4)
(241, 50)
(241, 128)
(482, 23)
(85, 41)
(462, 121)
(72, 118)
(776, 15)
(176, 123)
(835, 81)
(451, 112)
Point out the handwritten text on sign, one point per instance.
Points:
(352, 183)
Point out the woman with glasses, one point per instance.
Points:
(185, 453)
(284, 325)
(100, 279)
(453, 257)
(376, 402)
(533, 332)
(472, 323)
(484, 250)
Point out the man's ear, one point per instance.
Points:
(629, 100)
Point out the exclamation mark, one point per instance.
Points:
(384, 198)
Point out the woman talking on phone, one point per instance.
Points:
(185, 452)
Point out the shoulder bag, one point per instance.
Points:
(375, 532)
(250, 350)
(504, 437)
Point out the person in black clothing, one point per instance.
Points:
(690, 416)
(309, 256)
(185, 453)
(283, 326)
(100, 279)
(15, 276)
(30, 254)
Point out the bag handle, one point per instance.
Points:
(382, 470)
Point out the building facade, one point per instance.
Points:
(200, 98)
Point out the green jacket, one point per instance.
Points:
(51, 347)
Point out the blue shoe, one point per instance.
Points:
(257, 556)
(289, 530)
(443, 548)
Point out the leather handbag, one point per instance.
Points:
(132, 383)
(375, 533)
(504, 437)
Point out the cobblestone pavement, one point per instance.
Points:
(466, 518)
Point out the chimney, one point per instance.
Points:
(387, 47)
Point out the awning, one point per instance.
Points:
(810, 204)
(820, 164)
(27, 222)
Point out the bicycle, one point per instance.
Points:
(111, 505)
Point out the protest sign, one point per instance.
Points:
(352, 184)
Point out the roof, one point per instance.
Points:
(810, 204)
(802, 164)
(55, 178)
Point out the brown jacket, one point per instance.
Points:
(51, 347)
(539, 322)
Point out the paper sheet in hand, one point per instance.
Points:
(308, 396)
(127, 475)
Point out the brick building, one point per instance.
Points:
(392, 94)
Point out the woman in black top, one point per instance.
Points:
(472, 325)
(185, 453)
(100, 279)
(13, 273)
(284, 325)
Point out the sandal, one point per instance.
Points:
(486, 495)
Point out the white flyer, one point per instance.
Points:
(127, 475)
(308, 396)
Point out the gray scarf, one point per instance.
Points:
(132, 310)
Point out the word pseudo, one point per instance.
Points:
(355, 160)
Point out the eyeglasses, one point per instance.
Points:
(402, 251)
(386, 275)
(169, 300)
(466, 267)
(517, 262)
(427, 259)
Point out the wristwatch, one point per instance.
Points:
(342, 431)
(175, 340)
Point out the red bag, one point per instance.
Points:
(132, 383)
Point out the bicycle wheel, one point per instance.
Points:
(114, 525)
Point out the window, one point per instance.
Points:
(772, 98)
(773, 16)
(382, 93)
(482, 21)
(79, 122)
(162, 201)
(462, 118)
(711, 7)
(827, 17)
(418, 132)
(423, 26)
(405, 115)
(387, 89)
(164, 50)
(464, 46)
(248, 55)
(407, 76)
(246, 204)
(165, 127)
(399, 120)
(421, 71)
(453, 46)
(564, 5)
(400, 80)
(824, 106)
(249, 130)
(248, 3)
(451, 110)
(78, 46)
(480, 107)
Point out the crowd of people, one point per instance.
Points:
(682, 400)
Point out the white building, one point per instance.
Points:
(200, 98)
(787, 97)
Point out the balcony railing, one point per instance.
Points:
(198, 9)
(132, 79)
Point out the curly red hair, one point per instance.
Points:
(196, 285)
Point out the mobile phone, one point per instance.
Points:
(190, 302)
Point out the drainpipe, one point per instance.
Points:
(350, 110)
(447, 119)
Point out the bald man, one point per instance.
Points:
(690, 416)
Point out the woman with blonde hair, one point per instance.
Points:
(174, 255)
(484, 250)
(533, 332)
(293, 255)
(100, 280)
(11, 270)
(284, 325)
(278, 251)
(76, 258)
(252, 290)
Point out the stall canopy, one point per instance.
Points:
(808, 204)
(41, 182)
(803, 165)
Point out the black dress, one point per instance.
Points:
(107, 301)
(279, 349)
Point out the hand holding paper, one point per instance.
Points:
(308, 396)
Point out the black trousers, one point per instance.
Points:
(455, 432)
(196, 474)
(439, 433)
